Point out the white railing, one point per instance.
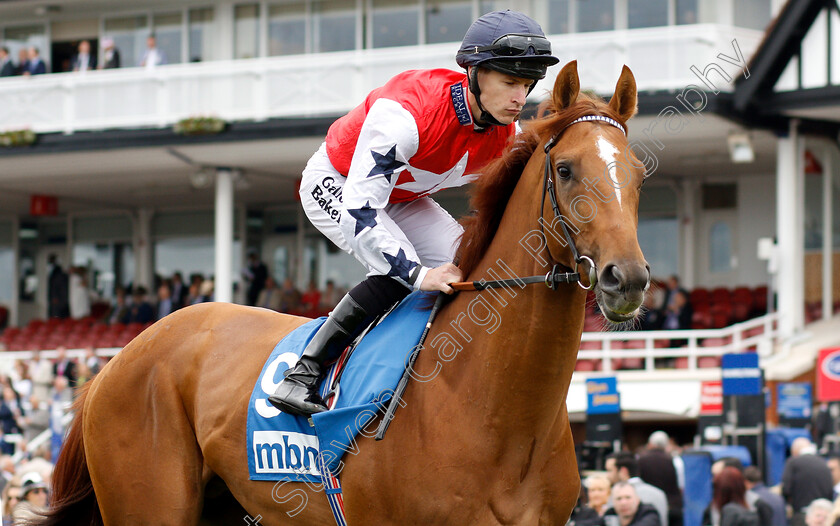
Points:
(329, 84)
(758, 334)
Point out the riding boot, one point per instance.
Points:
(298, 393)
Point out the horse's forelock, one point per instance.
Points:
(492, 190)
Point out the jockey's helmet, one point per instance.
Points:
(509, 42)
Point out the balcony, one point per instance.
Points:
(333, 83)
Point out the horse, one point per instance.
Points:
(482, 435)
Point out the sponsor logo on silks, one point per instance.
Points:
(459, 101)
(324, 193)
(285, 452)
(831, 366)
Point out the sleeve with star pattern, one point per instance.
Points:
(387, 141)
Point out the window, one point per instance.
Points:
(287, 29)
(395, 23)
(687, 12)
(659, 238)
(202, 27)
(720, 196)
(129, 34)
(720, 248)
(169, 34)
(334, 26)
(246, 31)
(447, 20)
(754, 14)
(596, 15)
(492, 5)
(558, 17)
(647, 13)
(191, 255)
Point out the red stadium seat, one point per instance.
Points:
(707, 362)
(721, 294)
(699, 295)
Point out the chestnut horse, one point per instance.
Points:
(483, 436)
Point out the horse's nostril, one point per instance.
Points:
(611, 278)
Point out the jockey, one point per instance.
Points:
(367, 188)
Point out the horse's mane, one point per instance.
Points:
(493, 188)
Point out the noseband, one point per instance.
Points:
(548, 188)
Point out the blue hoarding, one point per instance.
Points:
(740, 374)
(602, 396)
(794, 400)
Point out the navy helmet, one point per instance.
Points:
(509, 42)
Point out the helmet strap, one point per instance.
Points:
(486, 118)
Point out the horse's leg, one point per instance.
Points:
(145, 465)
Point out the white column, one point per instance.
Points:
(828, 234)
(686, 197)
(790, 202)
(143, 255)
(223, 285)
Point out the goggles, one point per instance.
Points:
(514, 46)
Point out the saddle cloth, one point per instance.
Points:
(284, 447)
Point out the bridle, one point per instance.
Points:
(548, 188)
(555, 276)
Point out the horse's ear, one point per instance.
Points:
(624, 100)
(566, 87)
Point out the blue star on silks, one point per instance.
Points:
(364, 216)
(400, 265)
(385, 164)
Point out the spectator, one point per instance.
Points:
(582, 513)
(79, 293)
(623, 467)
(110, 54)
(92, 360)
(7, 470)
(672, 287)
(10, 422)
(33, 502)
(598, 491)
(84, 374)
(37, 420)
(42, 375)
(179, 291)
(84, 61)
(628, 508)
(729, 500)
(651, 318)
(818, 513)
(57, 289)
(656, 467)
(330, 297)
(289, 297)
(35, 66)
(755, 483)
(165, 305)
(205, 291)
(256, 275)
(119, 310)
(23, 62)
(140, 311)
(10, 497)
(7, 69)
(805, 479)
(65, 367)
(153, 56)
(269, 297)
(833, 464)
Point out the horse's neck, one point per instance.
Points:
(522, 349)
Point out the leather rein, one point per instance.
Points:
(556, 275)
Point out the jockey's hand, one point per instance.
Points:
(440, 277)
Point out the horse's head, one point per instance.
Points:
(596, 179)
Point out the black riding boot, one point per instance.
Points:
(298, 393)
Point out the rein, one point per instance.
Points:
(555, 276)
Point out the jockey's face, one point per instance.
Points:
(503, 96)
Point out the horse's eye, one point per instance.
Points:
(563, 172)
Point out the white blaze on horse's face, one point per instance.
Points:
(608, 153)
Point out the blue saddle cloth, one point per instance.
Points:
(284, 447)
